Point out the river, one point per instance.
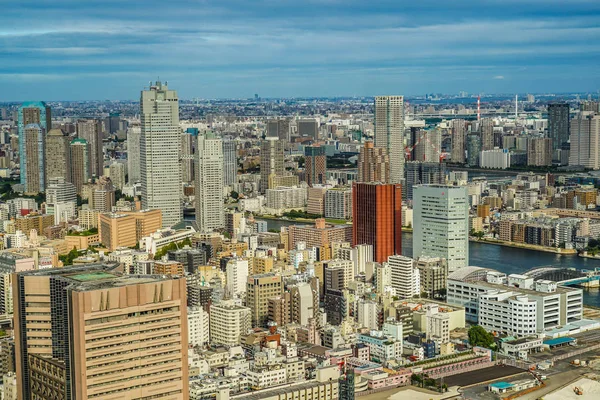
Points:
(505, 259)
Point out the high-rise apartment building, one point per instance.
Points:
(116, 171)
(159, 152)
(58, 156)
(377, 218)
(80, 164)
(33, 136)
(91, 131)
(473, 149)
(486, 132)
(558, 124)
(373, 164)
(94, 333)
(389, 132)
(187, 154)
(315, 165)
(404, 276)
(459, 136)
(585, 140)
(441, 224)
(230, 164)
(271, 160)
(426, 144)
(228, 322)
(425, 173)
(279, 128)
(31, 146)
(210, 214)
(308, 127)
(338, 203)
(134, 132)
(539, 151)
(260, 288)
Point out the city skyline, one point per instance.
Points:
(235, 49)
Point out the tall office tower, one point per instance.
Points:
(473, 149)
(260, 288)
(116, 171)
(459, 135)
(33, 113)
(377, 218)
(159, 152)
(308, 127)
(230, 165)
(315, 165)
(558, 124)
(186, 152)
(426, 145)
(389, 132)
(80, 163)
(279, 128)
(373, 164)
(585, 140)
(91, 131)
(95, 333)
(113, 123)
(210, 214)
(486, 131)
(34, 143)
(271, 160)
(539, 151)
(441, 224)
(426, 173)
(58, 156)
(404, 276)
(134, 132)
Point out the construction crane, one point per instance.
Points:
(409, 149)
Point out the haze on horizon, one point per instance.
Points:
(72, 50)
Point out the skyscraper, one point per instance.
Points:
(58, 156)
(308, 127)
(473, 149)
(539, 151)
(486, 130)
(80, 163)
(32, 161)
(389, 132)
(34, 144)
(373, 164)
(558, 124)
(91, 131)
(459, 134)
(279, 128)
(134, 132)
(230, 165)
(315, 165)
(210, 214)
(95, 333)
(426, 145)
(377, 218)
(187, 154)
(441, 224)
(159, 152)
(585, 140)
(271, 160)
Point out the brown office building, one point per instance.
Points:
(90, 332)
(377, 218)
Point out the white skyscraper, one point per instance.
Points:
(229, 162)
(210, 214)
(389, 132)
(159, 152)
(134, 131)
(441, 224)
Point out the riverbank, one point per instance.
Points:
(302, 220)
(526, 246)
(585, 255)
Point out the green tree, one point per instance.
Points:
(234, 194)
(480, 337)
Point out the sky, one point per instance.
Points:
(111, 49)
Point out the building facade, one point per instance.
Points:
(389, 132)
(210, 214)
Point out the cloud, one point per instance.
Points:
(233, 48)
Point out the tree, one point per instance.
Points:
(480, 337)
(234, 194)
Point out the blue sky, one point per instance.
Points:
(110, 49)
